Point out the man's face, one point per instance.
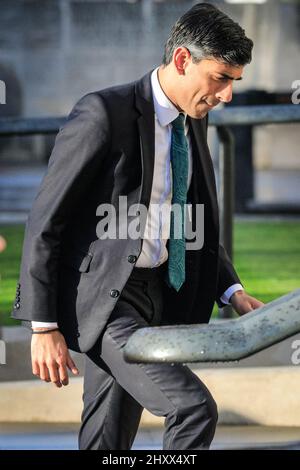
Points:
(204, 85)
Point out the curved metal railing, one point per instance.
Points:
(227, 340)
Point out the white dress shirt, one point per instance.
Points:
(154, 251)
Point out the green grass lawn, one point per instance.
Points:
(9, 270)
(266, 257)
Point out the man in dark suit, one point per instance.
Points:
(145, 141)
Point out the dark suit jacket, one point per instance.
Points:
(68, 275)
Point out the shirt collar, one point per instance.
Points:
(164, 109)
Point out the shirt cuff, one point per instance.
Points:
(229, 292)
(42, 324)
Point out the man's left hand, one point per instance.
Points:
(244, 303)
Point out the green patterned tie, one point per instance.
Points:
(175, 275)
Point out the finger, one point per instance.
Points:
(71, 365)
(256, 304)
(44, 373)
(54, 375)
(63, 374)
(245, 308)
(35, 368)
(249, 307)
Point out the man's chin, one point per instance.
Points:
(200, 114)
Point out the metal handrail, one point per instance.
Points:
(234, 116)
(10, 126)
(255, 115)
(229, 340)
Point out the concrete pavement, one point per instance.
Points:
(262, 396)
(39, 436)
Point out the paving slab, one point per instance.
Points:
(39, 436)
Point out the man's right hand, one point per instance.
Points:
(50, 358)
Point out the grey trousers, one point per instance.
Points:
(115, 392)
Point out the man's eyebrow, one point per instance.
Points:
(224, 75)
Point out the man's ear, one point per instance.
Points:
(181, 58)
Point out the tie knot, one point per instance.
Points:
(178, 123)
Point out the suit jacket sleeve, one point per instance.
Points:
(79, 149)
(227, 275)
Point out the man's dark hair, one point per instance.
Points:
(207, 32)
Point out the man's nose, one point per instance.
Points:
(225, 95)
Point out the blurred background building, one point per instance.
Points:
(54, 51)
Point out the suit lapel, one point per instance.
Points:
(144, 104)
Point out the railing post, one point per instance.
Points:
(226, 193)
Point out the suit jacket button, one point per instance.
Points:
(114, 293)
(17, 305)
(132, 258)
